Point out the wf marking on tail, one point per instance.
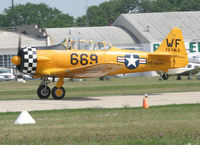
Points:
(170, 45)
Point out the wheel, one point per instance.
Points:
(165, 76)
(58, 93)
(101, 78)
(43, 92)
(179, 77)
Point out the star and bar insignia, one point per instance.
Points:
(131, 61)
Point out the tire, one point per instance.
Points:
(165, 76)
(179, 77)
(43, 92)
(101, 78)
(58, 93)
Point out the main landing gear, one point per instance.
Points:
(165, 76)
(58, 92)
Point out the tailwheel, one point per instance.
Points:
(58, 93)
(43, 92)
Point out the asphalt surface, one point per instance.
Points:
(100, 102)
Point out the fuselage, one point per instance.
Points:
(132, 61)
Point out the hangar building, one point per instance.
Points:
(140, 31)
(144, 31)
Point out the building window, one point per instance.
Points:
(1, 61)
(5, 61)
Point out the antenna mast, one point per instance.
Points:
(87, 22)
(13, 15)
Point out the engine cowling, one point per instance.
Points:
(26, 61)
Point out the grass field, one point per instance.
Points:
(94, 87)
(162, 125)
(166, 125)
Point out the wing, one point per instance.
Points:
(191, 72)
(94, 70)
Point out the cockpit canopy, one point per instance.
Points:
(78, 44)
(86, 44)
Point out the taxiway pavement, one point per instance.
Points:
(100, 102)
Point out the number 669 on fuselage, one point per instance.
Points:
(88, 59)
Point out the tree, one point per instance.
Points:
(156, 6)
(40, 14)
(108, 11)
(1, 20)
(101, 15)
(169, 5)
(189, 5)
(81, 21)
(96, 16)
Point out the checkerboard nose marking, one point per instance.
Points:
(30, 60)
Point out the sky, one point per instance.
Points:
(74, 8)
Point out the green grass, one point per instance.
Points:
(162, 125)
(93, 87)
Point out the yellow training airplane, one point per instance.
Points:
(67, 60)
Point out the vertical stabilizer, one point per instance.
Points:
(174, 45)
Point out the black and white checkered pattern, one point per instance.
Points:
(30, 60)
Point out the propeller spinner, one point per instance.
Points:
(16, 60)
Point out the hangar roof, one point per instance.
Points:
(113, 34)
(153, 27)
(11, 39)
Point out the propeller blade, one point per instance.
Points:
(19, 45)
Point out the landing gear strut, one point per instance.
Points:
(179, 77)
(58, 92)
(190, 77)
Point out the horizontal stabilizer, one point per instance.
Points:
(166, 54)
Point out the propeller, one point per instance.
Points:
(19, 45)
(16, 60)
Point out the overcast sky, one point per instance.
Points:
(74, 8)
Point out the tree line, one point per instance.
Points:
(40, 14)
(101, 15)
